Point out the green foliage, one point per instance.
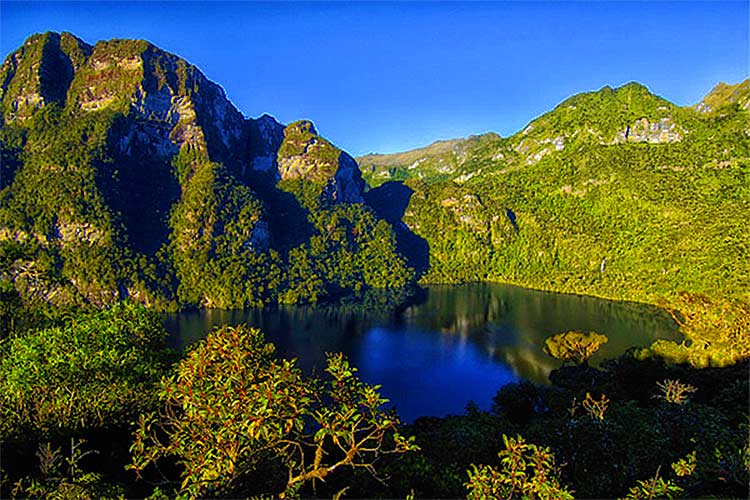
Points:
(717, 332)
(68, 245)
(685, 466)
(630, 221)
(219, 259)
(231, 406)
(12, 140)
(96, 370)
(657, 487)
(351, 252)
(10, 307)
(526, 471)
(574, 346)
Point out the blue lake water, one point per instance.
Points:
(460, 344)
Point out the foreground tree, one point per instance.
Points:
(233, 408)
(574, 346)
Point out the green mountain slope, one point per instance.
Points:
(725, 96)
(438, 161)
(127, 173)
(616, 193)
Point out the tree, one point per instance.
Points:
(233, 407)
(574, 346)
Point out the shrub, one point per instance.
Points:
(675, 392)
(595, 408)
(574, 346)
(96, 370)
(526, 471)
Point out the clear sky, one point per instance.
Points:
(385, 77)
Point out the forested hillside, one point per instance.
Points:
(127, 174)
(617, 193)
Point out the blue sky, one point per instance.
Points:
(386, 77)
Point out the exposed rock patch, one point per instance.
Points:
(305, 155)
(643, 130)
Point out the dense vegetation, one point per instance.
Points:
(105, 196)
(99, 407)
(95, 371)
(132, 176)
(616, 193)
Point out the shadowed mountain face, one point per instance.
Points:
(121, 151)
(389, 200)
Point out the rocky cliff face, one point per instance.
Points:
(643, 130)
(168, 104)
(265, 136)
(39, 73)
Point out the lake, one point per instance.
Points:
(460, 343)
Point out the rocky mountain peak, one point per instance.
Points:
(301, 127)
(629, 113)
(170, 103)
(167, 104)
(305, 155)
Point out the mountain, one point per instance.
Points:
(628, 114)
(617, 193)
(438, 161)
(126, 173)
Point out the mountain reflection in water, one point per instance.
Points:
(462, 343)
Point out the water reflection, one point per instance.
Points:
(462, 343)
